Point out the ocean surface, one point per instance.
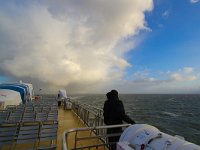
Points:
(172, 114)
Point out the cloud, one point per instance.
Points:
(181, 75)
(185, 74)
(188, 70)
(194, 1)
(69, 43)
(176, 77)
(166, 13)
(183, 80)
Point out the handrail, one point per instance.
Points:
(93, 118)
(90, 107)
(93, 107)
(90, 115)
(91, 129)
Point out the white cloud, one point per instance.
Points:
(69, 42)
(181, 75)
(176, 77)
(188, 70)
(194, 1)
(166, 13)
(191, 78)
(185, 74)
(184, 80)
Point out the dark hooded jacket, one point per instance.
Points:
(114, 112)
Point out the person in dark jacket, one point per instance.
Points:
(114, 113)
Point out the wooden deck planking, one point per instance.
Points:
(68, 120)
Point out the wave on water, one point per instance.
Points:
(169, 114)
(171, 99)
(76, 97)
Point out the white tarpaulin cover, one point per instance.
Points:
(9, 97)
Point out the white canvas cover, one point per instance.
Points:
(147, 137)
(9, 97)
(31, 91)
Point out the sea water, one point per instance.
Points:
(172, 114)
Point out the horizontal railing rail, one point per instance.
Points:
(90, 115)
(102, 137)
(93, 118)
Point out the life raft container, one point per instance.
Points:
(147, 137)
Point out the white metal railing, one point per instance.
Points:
(101, 137)
(90, 115)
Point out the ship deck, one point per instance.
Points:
(68, 120)
(42, 124)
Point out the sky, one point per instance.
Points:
(84, 46)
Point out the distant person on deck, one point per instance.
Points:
(59, 100)
(114, 114)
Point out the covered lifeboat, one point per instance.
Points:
(147, 137)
